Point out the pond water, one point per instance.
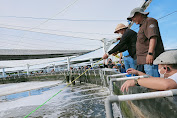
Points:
(78, 101)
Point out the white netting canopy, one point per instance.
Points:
(67, 29)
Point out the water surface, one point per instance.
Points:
(79, 101)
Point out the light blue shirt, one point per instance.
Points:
(125, 53)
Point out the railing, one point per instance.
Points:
(117, 98)
(51, 73)
(140, 96)
(122, 79)
(107, 77)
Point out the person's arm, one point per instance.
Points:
(152, 33)
(152, 83)
(152, 45)
(157, 83)
(124, 48)
(120, 61)
(115, 51)
(136, 72)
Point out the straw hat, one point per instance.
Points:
(119, 27)
(168, 57)
(136, 10)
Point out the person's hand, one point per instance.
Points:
(149, 59)
(127, 84)
(118, 38)
(105, 56)
(115, 53)
(132, 71)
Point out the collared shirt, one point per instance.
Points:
(128, 41)
(148, 29)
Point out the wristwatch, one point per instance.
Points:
(150, 53)
(136, 82)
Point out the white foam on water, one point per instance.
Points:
(63, 99)
(81, 101)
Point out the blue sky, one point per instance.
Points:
(168, 25)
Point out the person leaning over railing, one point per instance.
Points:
(167, 67)
(127, 39)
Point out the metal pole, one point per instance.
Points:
(91, 62)
(107, 43)
(3, 72)
(104, 45)
(68, 61)
(58, 68)
(125, 78)
(115, 75)
(18, 72)
(118, 75)
(48, 69)
(109, 100)
(108, 69)
(27, 68)
(54, 67)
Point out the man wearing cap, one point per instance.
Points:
(167, 64)
(127, 41)
(149, 43)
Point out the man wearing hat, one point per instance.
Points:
(149, 43)
(167, 67)
(127, 41)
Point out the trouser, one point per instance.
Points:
(151, 70)
(129, 62)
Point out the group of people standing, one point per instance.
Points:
(143, 47)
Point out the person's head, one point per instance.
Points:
(167, 63)
(109, 60)
(165, 70)
(120, 29)
(137, 15)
